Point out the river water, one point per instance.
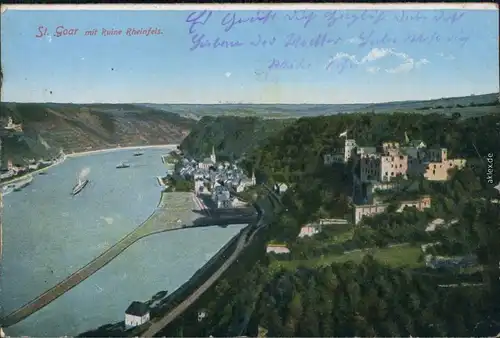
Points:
(48, 234)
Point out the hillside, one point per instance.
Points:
(474, 105)
(300, 146)
(231, 136)
(49, 127)
(370, 279)
(289, 150)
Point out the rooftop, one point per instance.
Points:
(137, 309)
(369, 150)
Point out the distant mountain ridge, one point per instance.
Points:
(49, 127)
(463, 104)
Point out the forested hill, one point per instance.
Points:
(231, 136)
(374, 278)
(49, 127)
(299, 148)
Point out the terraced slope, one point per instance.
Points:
(49, 127)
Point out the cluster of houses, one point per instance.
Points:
(380, 168)
(11, 170)
(214, 178)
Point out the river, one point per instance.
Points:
(48, 234)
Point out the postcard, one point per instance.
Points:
(147, 149)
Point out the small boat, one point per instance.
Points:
(138, 153)
(42, 173)
(79, 186)
(122, 165)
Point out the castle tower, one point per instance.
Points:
(213, 158)
(349, 146)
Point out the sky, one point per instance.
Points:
(252, 55)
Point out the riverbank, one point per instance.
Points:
(90, 152)
(165, 218)
(155, 223)
(174, 299)
(84, 153)
(20, 178)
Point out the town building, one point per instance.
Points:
(437, 169)
(369, 167)
(332, 221)
(199, 185)
(383, 166)
(136, 314)
(361, 211)
(202, 314)
(13, 127)
(417, 157)
(365, 151)
(222, 197)
(206, 164)
(280, 188)
(342, 155)
(329, 159)
(33, 166)
(309, 230)
(277, 248)
(373, 187)
(245, 182)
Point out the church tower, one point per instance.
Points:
(213, 158)
(254, 182)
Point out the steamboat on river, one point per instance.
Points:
(79, 186)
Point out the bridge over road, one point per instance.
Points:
(173, 207)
